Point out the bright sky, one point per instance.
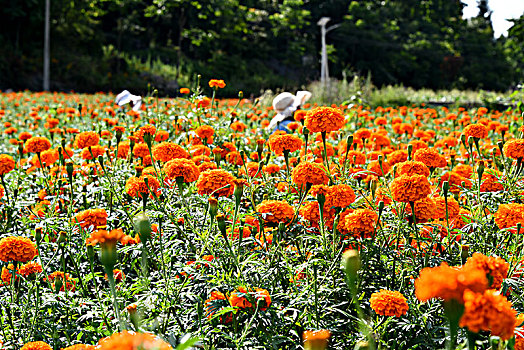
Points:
(502, 10)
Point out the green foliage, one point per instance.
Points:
(256, 45)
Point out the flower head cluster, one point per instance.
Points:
(19, 249)
(167, 151)
(496, 268)
(216, 182)
(389, 303)
(309, 173)
(91, 218)
(184, 168)
(37, 144)
(324, 119)
(126, 340)
(410, 188)
(86, 139)
(514, 149)
(275, 212)
(281, 143)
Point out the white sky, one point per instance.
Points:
(502, 10)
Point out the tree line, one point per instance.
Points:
(253, 45)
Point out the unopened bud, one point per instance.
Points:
(351, 264)
(142, 226)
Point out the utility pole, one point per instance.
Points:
(324, 70)
(46, 45)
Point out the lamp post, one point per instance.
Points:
(324, 71)
(46, 46)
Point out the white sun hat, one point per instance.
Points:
(285, 104)
(126, 97)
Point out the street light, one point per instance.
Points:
(324, 71)
(46, 46)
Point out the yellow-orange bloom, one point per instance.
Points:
(19, 249)
(216, 182)
(361, 222)
(406, 188)
(431, 157)
(217, 83)
(324, 119)
(105, 237)
(37, 144)
(91, 218)
(133, 341)
(449, 283)
(514, 149)
(184, 168)
(495, 268)
(275, 212)
(244, 298)
(36, 345)
(7, 164)
(167, 151)
(509, 215)
(488, 311)
(86, 139)
(478, 131)
(389, 303)
(316, 340)
(281, 143)
(412, 168)
(309, 173)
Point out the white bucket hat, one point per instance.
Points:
(285, 104)
(126, 97)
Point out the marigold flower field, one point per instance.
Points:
(185, 223)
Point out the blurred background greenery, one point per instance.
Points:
(381, 45)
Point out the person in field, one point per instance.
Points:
(286, 104)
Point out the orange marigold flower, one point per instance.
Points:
(143, 130)
(248, 298)
(29, 269)
(36, 345)
(205, 131)
(161, 135)
(491, 182)
(184, 91)
(141, 150)
(425, 209)
(397, 157)
(361, 222)
(389, 303)
(105, 237)
(299, 115)
(412, 168)
(217, 83)
(453, 207)
(488, 311)
(316, 340)
(215, 182)
(324, 119)
(91, 218)
(309, 173)
(184, 168)
(495, 268)
(7, 164)
(514, 149)
(449, 283)
(275, 212)
(137, 185)
(362, 134)
(430, 157)
(377, 169)
(478, 131)
(86, 139)
(281, 143)
(167, 151)
(410, 188)
(456, 181)
(353, 157)
(37, 144)
(509, 215)
(340, 196)
(126, 340)
(24, 136)
(93, 152)
(19, 249)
